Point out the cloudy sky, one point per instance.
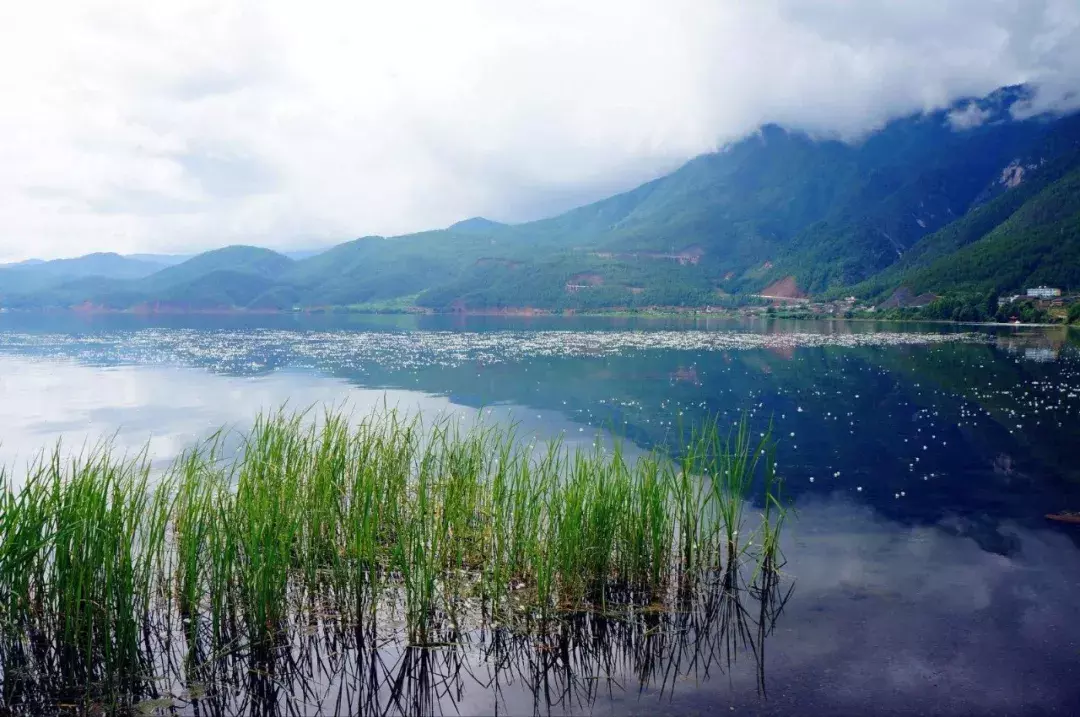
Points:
(173, 126)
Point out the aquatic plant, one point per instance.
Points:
(322, 518)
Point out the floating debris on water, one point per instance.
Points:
(254, 350)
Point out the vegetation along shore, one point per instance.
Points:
(420, 527)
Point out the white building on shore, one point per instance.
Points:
(1043, 292)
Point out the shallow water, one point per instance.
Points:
(920, 461)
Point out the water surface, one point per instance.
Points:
(920, 460)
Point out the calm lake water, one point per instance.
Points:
(920, 461)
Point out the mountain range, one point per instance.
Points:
(976, 197)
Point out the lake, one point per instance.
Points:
(919, 461)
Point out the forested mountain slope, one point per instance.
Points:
(928, 202)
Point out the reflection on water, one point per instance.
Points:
(168, 409)
(883, 618)
(325, 666)
(927, 576)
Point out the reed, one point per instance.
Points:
(329, 516)
(81, 539)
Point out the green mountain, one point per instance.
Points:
(1023, 234)
(1028, 236)
(108, 265)
(240, 259)
(161, 259)
(232, 277)
(35, 277)
(921, 204)
(1039, 244)
(476, 225)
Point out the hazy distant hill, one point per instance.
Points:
(40, 278)
(927, 203)
(161, 259)
(108, 265)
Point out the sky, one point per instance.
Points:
(172, 127)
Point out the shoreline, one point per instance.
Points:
(524, 312)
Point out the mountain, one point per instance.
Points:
(107, 265)
(781, 203)
(235, 276)
(232, 277)
(1025, 235)
(161, 259)
(238, 259)
(778, 206)
(476, 225)
(969, 198)
(35, 276)
(171, 259)
(782, 207)
(1038, 244)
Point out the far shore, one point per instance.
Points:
(515, 312)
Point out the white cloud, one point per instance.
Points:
(153, 126)
(969, 116)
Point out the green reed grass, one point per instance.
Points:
(323, 515)
(80, 541)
